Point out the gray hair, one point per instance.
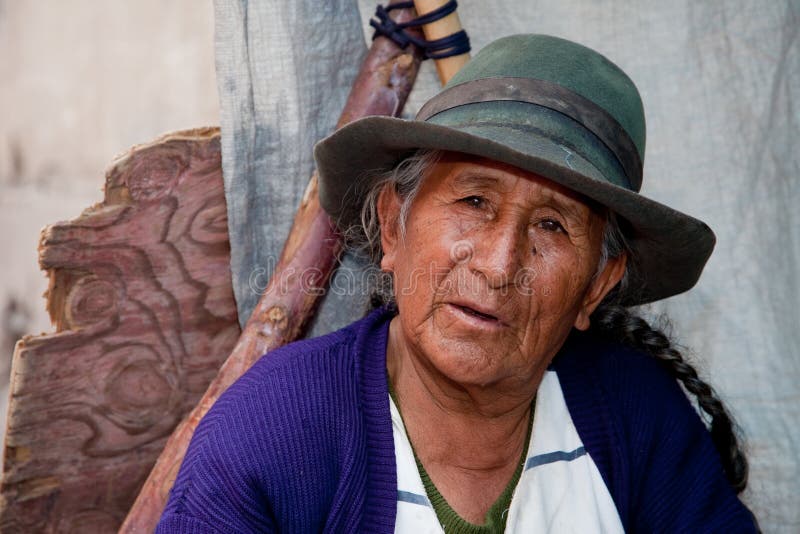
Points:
(613, 246)
(365, 239)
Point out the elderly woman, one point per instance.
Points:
(502, 384)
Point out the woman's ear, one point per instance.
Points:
(389, 217)
(610, 276)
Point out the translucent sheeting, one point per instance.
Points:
(720, 82)
(284, 70)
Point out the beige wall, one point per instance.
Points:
(81, 81)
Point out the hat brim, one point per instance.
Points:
(669, 248)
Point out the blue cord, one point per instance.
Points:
(452, 45)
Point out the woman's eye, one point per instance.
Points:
(551, 225)
(473, 201)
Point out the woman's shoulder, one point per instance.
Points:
(304, 359)
(634, 392)
(293, 417)
(301, 360)
(617, 371)
(646, 438)
(300, 380)
(284, 391)
(310, 385)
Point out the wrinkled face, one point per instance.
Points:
(496, 266)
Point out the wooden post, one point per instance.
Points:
(448, 25)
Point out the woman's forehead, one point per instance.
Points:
(462, 172)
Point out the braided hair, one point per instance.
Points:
(614, 321)
(621, 324)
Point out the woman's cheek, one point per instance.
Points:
(556, 271)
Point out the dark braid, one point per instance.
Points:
(619, 323)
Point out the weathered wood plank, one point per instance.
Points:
(141, 298)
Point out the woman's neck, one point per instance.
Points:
(469, 439)
(486, 425)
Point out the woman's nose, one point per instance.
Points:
(498, 254)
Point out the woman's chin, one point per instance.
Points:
(470, 363)
(465, 350)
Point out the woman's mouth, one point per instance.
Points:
(476, 313)
(480, 318)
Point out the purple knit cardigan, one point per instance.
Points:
(303, 443)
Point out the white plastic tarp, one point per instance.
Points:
(720, 81)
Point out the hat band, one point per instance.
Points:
(552, 96)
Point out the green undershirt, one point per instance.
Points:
(495, 521)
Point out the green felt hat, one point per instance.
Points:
(549, 106)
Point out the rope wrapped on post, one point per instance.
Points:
(452, 45)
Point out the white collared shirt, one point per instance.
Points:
(560, 489)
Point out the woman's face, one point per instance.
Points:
(496, 266)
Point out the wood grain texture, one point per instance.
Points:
(141, 298)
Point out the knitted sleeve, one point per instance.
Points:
(650, 445)
(276, 451)
(178, 523)
(217, 489)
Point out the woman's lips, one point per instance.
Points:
(474, 315)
